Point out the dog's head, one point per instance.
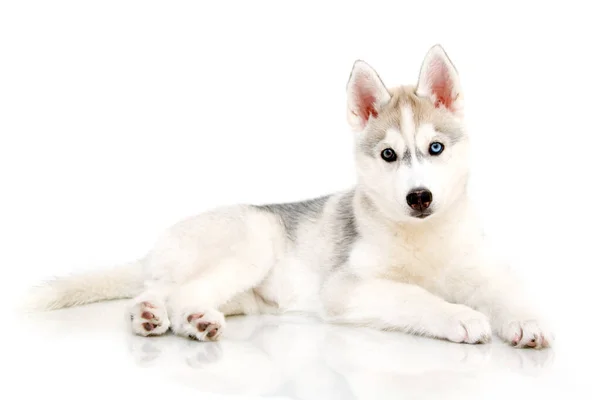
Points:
(411, 145)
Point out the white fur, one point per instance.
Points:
(429, 276)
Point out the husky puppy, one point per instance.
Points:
(402, 250)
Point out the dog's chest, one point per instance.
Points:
(415, 260)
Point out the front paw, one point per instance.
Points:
(465, 325)
(526, 332)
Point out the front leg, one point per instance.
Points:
(393, 305)
(492, 289)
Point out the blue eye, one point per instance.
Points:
(436, 148)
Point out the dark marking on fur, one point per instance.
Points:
(345, 229)
(406, 157)
(291, 214)
(419, 154)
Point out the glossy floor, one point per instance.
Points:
(88, 352)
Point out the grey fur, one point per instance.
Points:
(291, 214)
(345, 230)
(343, 223)
(406, 157)
(419, 154)
(370, 142)
(454, 133)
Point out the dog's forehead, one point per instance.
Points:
(405, 128)
(405, 117)
(406, 112)
(398, 122)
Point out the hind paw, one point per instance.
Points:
(149, 318)
(204, 325)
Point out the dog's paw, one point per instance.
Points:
(465, 325)
(526, 333)
(206, 325)
(149, 318)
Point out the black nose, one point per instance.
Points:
(419, 199)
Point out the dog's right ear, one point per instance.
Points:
(366, 95)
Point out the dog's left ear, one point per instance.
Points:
(438, 80)
(366, 95)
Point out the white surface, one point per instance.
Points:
(119, 118)
(90, 350)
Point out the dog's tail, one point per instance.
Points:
(122, 282)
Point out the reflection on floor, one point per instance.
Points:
(300, 358)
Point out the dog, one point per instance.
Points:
(402, 250)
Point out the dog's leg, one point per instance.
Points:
(493, 290)
(393, 305)
(148, 311)
(194, 307)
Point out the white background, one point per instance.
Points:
(118, 118)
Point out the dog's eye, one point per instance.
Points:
(389, 155)
(436, 148)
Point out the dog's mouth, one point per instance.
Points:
(422, 215)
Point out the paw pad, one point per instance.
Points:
(149, 319)
(148, 326)
(147, 315)
(204, 326)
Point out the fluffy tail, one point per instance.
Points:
(122, 282)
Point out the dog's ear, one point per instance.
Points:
(366, 95)
(438, 80)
